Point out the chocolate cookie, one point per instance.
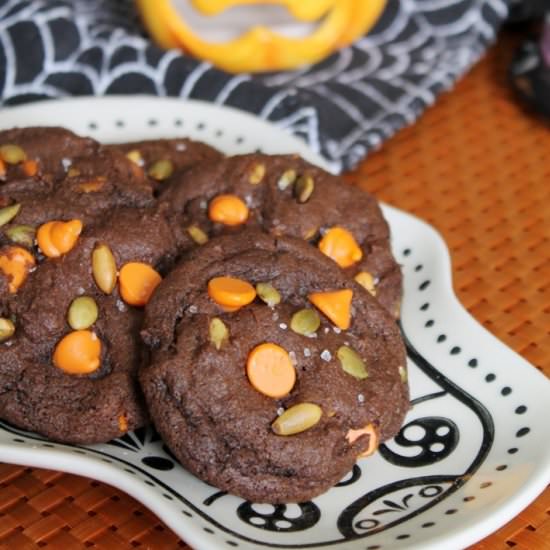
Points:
(271, 371)
(285, 195)
(83, 243)
(165, 160)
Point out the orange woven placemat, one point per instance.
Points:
(475, 166)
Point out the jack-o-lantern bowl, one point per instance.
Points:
(259, 35)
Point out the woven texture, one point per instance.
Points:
(475, 166)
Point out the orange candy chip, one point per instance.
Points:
(30, 168)
(335, 305)
(270, 370)
(228, 209)
(369, 430)
(57, 238)
(339, 245)
(231, 293)
(78, 353)
(137, 283)
(16, 263)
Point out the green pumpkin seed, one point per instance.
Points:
(12, 154)
(304, 188)
(197, 234)
(104, 268)
(297, 419)
(161, 170)
(22, 234)
(83, 313)
(8, 213)
(257, 174)
(268, 294)
(352, 363)
(219, 333)
(403, 374)
(305, 322)
(288, 177)
(7, 329)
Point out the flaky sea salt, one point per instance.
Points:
(307, 352)
(360, 398)
(283, 326)
(337, 330)
(193, 309)
(280, 411)
(181, 146)
(203, 205)
(121, 306)
(66, 163)
(326, 355)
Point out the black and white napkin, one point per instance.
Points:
(343, 107)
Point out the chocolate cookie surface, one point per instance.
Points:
(82, 243)
(285, 195)
(254, 337)
(165, 160)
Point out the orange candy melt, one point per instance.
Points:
(231, 293)
(369, 430)
(57, 238)
(270, 370)
(228, 209)
(78, 353)
(30, 168)
(336, 305)
(137, 283)
(340, 245)
(16, 263)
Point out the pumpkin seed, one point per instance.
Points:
(21, 234)
(351, 362)
(161, 169)
(310, 233)
(257, 174)
(82, 313)
(305, 322)
(403, 374)
(12, 154)
(7, 329)
(8, 213)
(219, 333)
(304, 188)
(288, 177)
(366, 280)
(297, 419)
(197, 234)
(135, 156)
(73, 172)
(104, 268)
(268, 294)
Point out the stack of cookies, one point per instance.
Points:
(245, 305)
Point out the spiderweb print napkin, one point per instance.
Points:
(343, 107)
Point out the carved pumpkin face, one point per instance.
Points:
(259, 35)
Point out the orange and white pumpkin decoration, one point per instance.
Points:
(259, 35)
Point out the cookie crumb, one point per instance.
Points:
(292, 356)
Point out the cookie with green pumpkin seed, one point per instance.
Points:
(165, 160)
(75, 217)
(271, 371)
(285, 195)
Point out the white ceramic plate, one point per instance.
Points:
(474, 450)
